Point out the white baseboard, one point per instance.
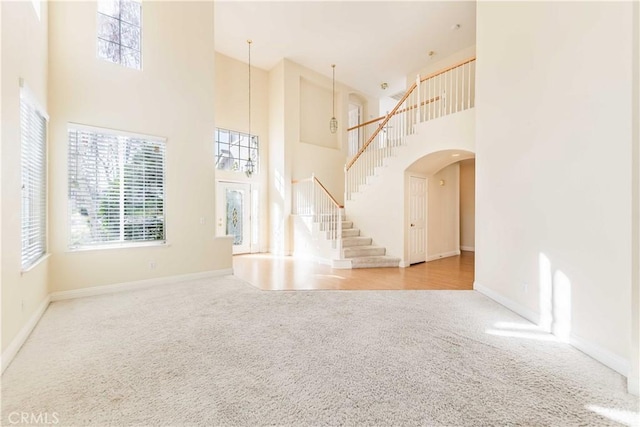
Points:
(140, 284)
(442, 255)
(615, 362)
(23, 334)
(598, 353)
(468, 248)
(528, 314)
(633, 385)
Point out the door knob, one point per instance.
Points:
(413, 225)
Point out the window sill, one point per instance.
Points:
(35, 264)
(118, 246)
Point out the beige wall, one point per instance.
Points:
(172, 97)
(547, 218)
(280, 239)
(467, 204)
(290, 157)
(232, 97)
(24, 55)
(232, 112)
(324, 159)
(443, 213)
(634, 371)
(316, 104)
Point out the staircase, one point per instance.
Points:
(322, 231)
(431, 97)
(359, 252)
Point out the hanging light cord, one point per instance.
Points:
(333, 66)
(250, 138)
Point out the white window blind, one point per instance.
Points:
(116, 187)
(33, 140)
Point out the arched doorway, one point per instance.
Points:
(440, 219)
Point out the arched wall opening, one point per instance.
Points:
(440, 206)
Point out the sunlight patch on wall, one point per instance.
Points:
(555, 300)
(545, 292)
(561, 326)
(279, 183)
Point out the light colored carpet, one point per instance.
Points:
(220, 352)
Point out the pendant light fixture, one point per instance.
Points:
(333, 123)
(249, 166)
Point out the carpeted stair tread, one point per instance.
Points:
(363, 251)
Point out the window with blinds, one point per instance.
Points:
(33, 141)
(116, 188)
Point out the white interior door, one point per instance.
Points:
(417, 220)
(234, 214)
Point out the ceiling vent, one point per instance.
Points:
(398, 96)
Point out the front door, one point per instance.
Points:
(417, 220)
(234, 214)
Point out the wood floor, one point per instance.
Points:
(269, 272)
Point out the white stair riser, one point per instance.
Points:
(361, 251)
(345, 225)
(356, 241)
(375, 262)
(349, 232)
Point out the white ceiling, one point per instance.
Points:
(370, 42)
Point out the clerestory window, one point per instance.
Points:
(236, 151)
(120, 32)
